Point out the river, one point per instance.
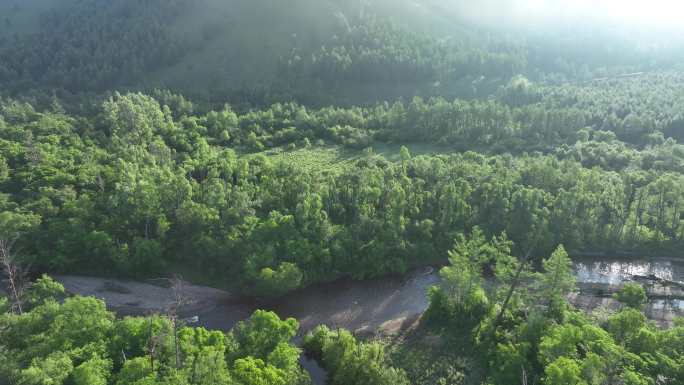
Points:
(606, 275)
(385, 305)
(390, 304)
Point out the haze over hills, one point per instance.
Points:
(314, 51)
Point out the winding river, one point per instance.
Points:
(385, 304)
(389, 305)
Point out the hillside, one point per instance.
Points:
(316, 52)
(205, 48)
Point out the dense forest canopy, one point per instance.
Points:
(265, 147)
(314, 51)
(138, 187)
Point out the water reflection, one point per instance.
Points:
(616, 271)
(664, 307)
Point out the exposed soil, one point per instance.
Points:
(382, 306)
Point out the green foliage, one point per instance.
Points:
(52, 369)
(349, 361)
(539, 338)
(134, 184)
(563, 371)
(260, 350)
(137, 38)
(557, 280)
(320, 52)
(13, 224)
(42, 290)
(261, 334)
(253, 371)
(137, 370)
(95, 371)
(625, 325)
(134, 187)
(460, 302)
(78, 342)
(273, 283)
(632, 295)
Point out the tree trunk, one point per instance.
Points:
(12, 271)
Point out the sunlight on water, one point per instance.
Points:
(615, 272)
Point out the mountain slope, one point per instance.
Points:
(315, 51)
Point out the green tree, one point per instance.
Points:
(52, 369)
(351, 362)
(253, 371)
(631, 295)
(136, 371)
(42, 290)
(95, 371)
(557, 280)
(12, 226)
(260, 350)
(563, 371)
(460, 300)
(274, 283)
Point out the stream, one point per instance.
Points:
(390, 304)
(666, 301)
(386, 305)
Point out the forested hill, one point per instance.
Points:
(275, 199)
(314, 51)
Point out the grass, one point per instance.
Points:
(328, 159)
(391, 151)
(336, 158)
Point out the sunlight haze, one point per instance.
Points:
(656, 12)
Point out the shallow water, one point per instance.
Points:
(390, 304)
(359, 306)
(616, 271)
(362, 307)
(666, 303)
(386, 305)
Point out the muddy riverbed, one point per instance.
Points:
(383, 305)
(362, 306)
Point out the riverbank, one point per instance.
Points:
(675, 255)
(383, 306)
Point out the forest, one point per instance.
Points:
(343, 141)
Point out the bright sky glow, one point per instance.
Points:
(643, 12)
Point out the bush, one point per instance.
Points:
(351, 362)
(632, 295)
(274, 283)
